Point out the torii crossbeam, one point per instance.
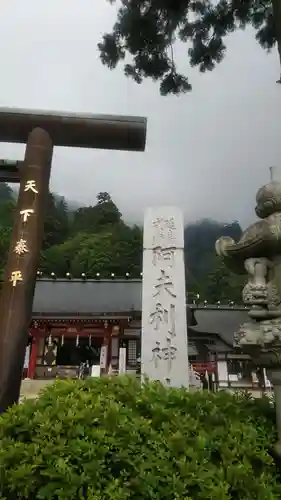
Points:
(41, 131)
(75, 130)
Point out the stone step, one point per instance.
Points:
(31, 388)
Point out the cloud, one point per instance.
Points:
(208, 151)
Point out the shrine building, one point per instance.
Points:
(74, 318)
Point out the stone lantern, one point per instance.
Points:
(258, 253)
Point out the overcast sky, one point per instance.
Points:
(207, 151)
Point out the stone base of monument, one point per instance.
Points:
(194, 381)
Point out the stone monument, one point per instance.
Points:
(164, 330)
(258, 253)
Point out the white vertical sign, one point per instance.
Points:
(164, 330)
(103, 357)
(122, 360)
(27, 356)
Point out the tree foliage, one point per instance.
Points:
(146, 31)
(56, 227)
(112, 438)
(206, 274)
(115, 251)
(6, 192)
(99, 243)
(7, 208)
(95, 218)
(223, 285)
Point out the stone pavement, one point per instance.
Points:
(31, 388)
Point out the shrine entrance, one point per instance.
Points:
(71, 354)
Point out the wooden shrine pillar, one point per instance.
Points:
(23, 260)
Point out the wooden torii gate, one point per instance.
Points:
(41, 131)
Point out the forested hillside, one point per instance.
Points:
(96, 240)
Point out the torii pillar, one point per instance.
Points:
(41, 131)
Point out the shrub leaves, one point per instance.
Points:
(111, 439)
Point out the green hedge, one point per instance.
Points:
(110, 439)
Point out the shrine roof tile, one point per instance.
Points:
(89, 297)
(223, 322)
